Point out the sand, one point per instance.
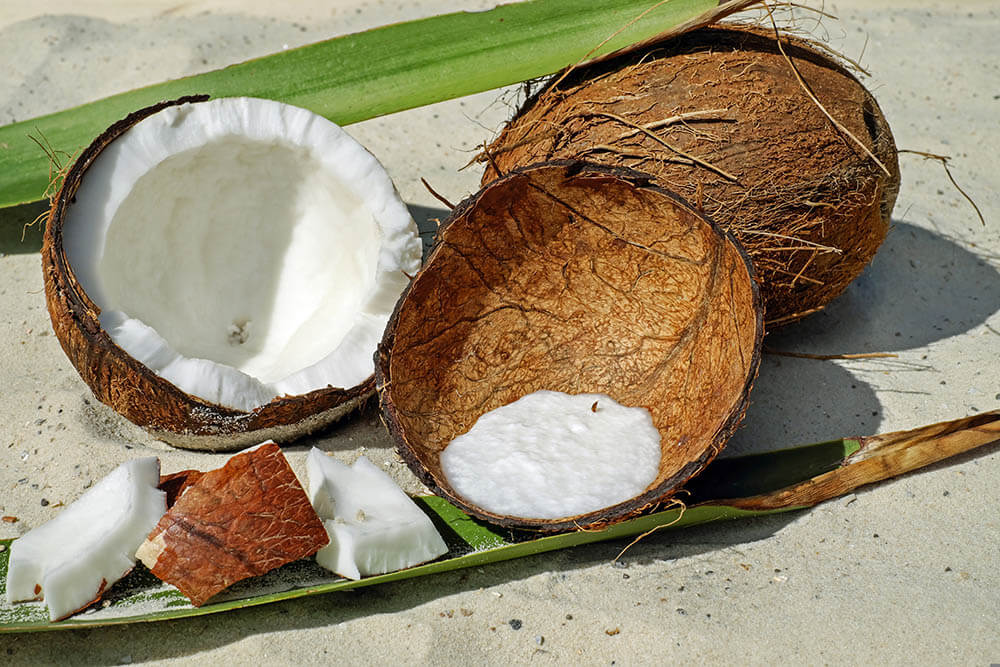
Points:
(907, 571)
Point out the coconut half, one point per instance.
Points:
(220, 271)
(574, 278)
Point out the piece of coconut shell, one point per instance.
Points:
(238, 521)
(576, 278)
(133, 390)
(810, 205)
(176, 483)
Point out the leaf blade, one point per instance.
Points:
(848, 459)
(483, 545)
(369, 74)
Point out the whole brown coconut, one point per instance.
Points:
(581, 279)
(719, 116)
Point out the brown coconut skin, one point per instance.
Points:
(133, 390)
(241, 520)
(807, 202)
(425, 404)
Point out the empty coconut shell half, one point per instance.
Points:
(574, 278)
(780, 144)
(220, 271)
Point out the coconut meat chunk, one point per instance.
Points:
(374, 527)
(242, 249)
(72, 559)
(552, 455)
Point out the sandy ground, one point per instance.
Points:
(905, 572)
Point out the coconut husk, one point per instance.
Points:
(582, 279)
(238, 521)
(175, 484)
(132, 389)
(720, 116)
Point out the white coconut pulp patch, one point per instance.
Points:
(242, 249)
(374, 527)
(551, 455)
(91, 544)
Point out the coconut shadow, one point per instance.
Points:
(427, 219)
(360, 431)
(803, 401)
(921, 287)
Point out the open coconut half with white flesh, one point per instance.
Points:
(220, 271)
(580, 279)
(71, 560)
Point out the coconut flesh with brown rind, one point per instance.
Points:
(132, 389)
(808, 203)
(241, 520)
(581, 279)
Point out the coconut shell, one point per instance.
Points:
(176, 483)
(575, 278)
(132, 389)
(238, 521)
(810, 205)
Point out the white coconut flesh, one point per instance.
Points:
(70, 560)
(242, 249)
(374, 527)
(552, 455)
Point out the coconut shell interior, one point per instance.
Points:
(719, 116)
(574, 278)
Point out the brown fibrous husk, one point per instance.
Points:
(132, 389)
(238, 521)
(807, 201)
(576, 278)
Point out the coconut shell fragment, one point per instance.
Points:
(576, 278)
(176, 483)
(238, 521)
(719, 116)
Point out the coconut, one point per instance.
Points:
(578, 279)
(220, 271)
(719, 116)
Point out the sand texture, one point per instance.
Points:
(905, 572)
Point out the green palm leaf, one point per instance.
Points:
(377, 72)
(732, 488)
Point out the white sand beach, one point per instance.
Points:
(903, 572)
